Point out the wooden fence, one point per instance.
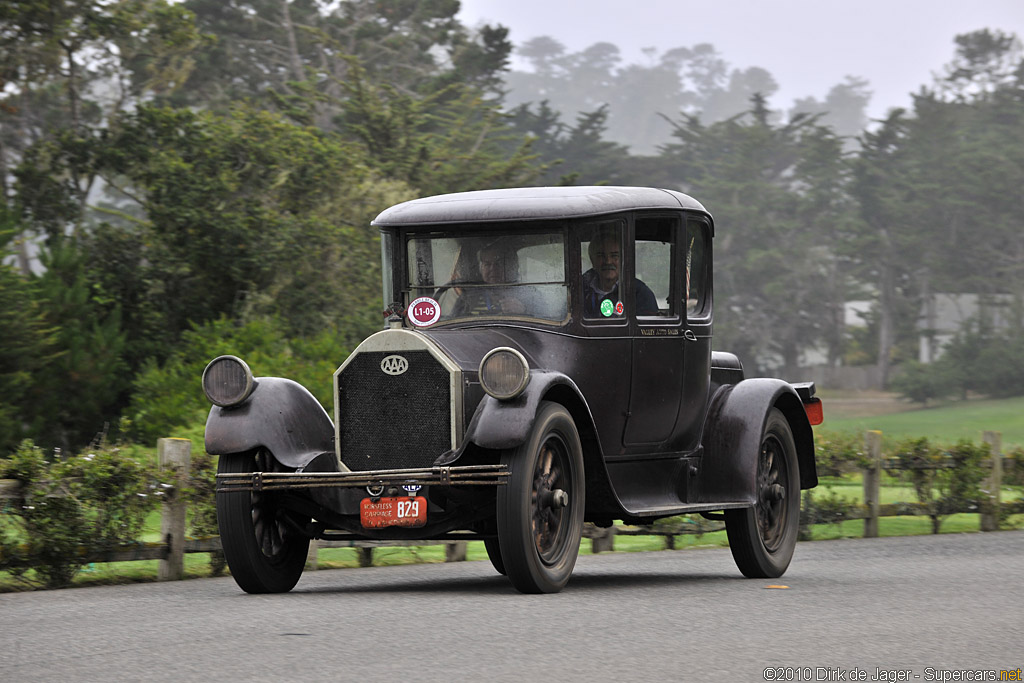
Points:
(175, 455)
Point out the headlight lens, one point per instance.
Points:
(227, 381)
(504, 373)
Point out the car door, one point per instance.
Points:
(654, 304)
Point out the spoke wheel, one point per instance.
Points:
(762, 538)
(263, 550)
(540, 510)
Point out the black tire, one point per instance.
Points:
(264, 553)
(493, 549)
(762, 538)
(539, 530)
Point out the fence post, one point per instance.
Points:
(174, 455)
(990, 509)
(872, 482)
(603, 540)
(313, 555)
(455, 552)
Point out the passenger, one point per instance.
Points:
(499, 265)
(601, 282)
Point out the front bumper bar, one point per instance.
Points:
(466, 475)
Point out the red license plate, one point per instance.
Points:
(398, 511)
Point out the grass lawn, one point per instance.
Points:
(946, 423)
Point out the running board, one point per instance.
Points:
(671, 510)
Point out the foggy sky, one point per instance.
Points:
(807, 45)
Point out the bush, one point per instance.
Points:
(828, 508)
(71, 511)
(945, 480)
(920, 382)
(169, 396)
(1013, 471)
(202, 503)
(837, 453)
(977, 360)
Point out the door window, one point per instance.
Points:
(695, 284)
(601, 264)
(652, 288)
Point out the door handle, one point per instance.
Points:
(689, 335)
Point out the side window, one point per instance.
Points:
(696, 279)
(652, 290)
(601, 261)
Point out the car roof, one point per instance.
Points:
(531, 204)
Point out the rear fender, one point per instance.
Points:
(281, 416)
(732, 438)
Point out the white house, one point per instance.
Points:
(943, 315)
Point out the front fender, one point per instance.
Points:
(506, 424)
(732, 438)
(281, 416)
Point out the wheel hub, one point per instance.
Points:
(772, 505)
(550, 499)
(553, 498)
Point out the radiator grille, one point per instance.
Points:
(393, 421)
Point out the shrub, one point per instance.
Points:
(828, 508)
(71, 511)
(920, 382)
(978, 359)
(169, 396)
(201, 499)
(837, 453)
(945, 480)
(1013, 472)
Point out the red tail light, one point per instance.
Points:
(814, 410)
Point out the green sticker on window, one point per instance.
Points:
(607, 308)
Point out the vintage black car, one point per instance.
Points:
(546, 362)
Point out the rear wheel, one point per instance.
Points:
(264, 551)
(762, 538)
(540, 510)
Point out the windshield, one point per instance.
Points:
(490, 274)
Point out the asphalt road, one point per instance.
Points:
(933, 606)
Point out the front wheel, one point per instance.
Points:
(540, 509)
(263, 550)
(493, 549)
(762, 538)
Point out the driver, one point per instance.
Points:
(601, 282)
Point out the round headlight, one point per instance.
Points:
(504, 373)
(227, 381)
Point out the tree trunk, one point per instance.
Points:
(886, 302)
(837, 314)
(791, 362)
(294, 61)
(931, 319)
